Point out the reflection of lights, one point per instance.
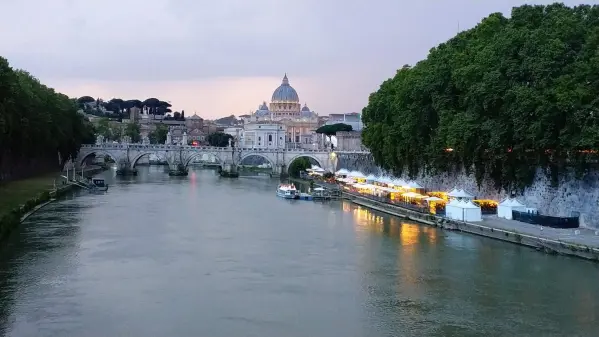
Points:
(409, 234)
(431, 234)
(193, 179)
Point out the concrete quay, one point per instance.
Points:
(580, 242)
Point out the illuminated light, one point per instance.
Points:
(449, 150)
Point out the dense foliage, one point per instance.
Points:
(158, 135)
(118, 108)
(133, 131)
(37, 125)
(500, 100)
(332, 129)
(298, 165)
(220, 139)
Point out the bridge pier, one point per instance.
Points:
(278, 170)
(124, 168)
(229, 170)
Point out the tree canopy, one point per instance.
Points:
(119, 108)
(219, 139)
(500, 100)
(36, 125)
(331, 130)
(298, 165)
(158, 135)
(133, 131)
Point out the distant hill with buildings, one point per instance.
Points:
(227, 121)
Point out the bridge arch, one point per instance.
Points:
(84, 156)
(137, 157)
(318, 161)
(264, 156)
(199, 154)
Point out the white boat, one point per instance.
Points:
(287, 191)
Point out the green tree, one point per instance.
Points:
(331, 130)
(132, 130)
(298, 165)
(104, 129)
(499, 100)
(36, 124)
(219, 139)
(158, 135)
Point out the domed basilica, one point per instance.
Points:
(284, 103)
(295, 125)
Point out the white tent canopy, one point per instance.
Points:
(371, 177)
(342, 172)
(453, 209)
(385, 180)
(399, 182)
(356, 174)
(413, 184)
(505, 208)
(463, 211)
(459, 193)
(433, 199)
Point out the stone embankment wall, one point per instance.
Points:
(571, 196)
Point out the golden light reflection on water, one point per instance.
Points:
(407, 233)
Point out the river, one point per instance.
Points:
(207, 256)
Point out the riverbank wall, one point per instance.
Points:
(548, 241)
(572, 196)
(11, 219)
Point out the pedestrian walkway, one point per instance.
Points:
(578, 236)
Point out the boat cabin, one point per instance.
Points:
(98, 182)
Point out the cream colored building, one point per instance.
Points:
(300, 123)
(263, 135)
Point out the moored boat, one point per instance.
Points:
(99, 185)
(287, 191)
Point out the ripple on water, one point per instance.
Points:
(206, 256)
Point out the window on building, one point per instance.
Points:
(270, 138)
(259, 138)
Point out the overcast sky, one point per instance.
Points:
(225, 57)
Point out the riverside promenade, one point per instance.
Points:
(579, 242)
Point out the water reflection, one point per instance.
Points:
(205, 256)
(468, 285)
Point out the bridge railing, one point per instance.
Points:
(161, 147)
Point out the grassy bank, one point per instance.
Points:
(17, 193)
(21, 196)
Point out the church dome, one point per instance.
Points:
(263, 107)
(285, 93)
(305, 112)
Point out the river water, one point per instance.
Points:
(206, 256)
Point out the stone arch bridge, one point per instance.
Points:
(280, 159)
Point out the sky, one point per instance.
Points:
(223, 57)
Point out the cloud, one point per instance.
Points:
(337, 51)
